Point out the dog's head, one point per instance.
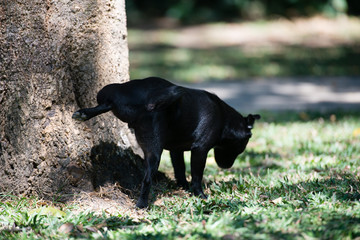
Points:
(229, 149)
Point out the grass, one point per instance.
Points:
(282, 48)
(236, 63)
(298, 179)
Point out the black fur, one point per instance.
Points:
(167, 116)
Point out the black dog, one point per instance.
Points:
(167, 116)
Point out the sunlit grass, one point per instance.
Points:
(298, 179)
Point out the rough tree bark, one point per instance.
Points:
(54, 57)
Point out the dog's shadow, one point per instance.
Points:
(113, 165)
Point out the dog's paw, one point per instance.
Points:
(183, 184)
(142, 204)
(80, 116)
(200, 194)
(203, 196)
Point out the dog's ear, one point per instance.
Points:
(250, 120)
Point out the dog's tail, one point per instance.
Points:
(163, 98)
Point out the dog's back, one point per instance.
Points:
(186, 117)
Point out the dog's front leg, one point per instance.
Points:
(198, 161)
(152, 163)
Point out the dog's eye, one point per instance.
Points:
(249, 126)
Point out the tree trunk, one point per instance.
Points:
(55, 55)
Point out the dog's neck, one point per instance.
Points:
(235, 127)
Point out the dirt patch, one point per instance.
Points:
(113, 199)
(109, 199)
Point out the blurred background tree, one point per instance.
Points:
(201, 40)
(200, 11)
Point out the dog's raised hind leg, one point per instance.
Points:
(87, 113)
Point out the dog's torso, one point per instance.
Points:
(197, 118)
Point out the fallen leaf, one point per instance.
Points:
(66, 228)
(101, 225)
(91, 229)
(80, 227)
(277, 200)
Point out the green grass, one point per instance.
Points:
(236, 63)
(298, 179)
(218, 51)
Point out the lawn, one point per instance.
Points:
(235, 63)
(298, 179)
(302, 47)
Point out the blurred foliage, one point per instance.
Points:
(317, 46)
(230, 63)
(199, 11)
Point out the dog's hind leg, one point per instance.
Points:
(87, 113)
(177, 160)
(151, 144)
(152, 160)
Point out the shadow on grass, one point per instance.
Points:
(112, 165)
(339, 186)
(167, 236)
(334, 226)
(310, 221)
(342, 226)
(260, 163)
